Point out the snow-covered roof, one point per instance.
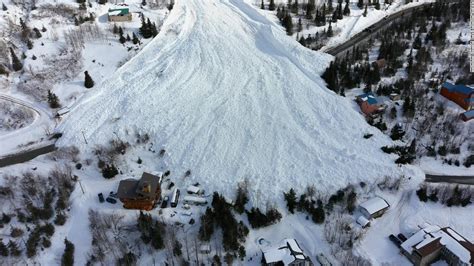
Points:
(433, 235)
(287, 251)
(194, 199)
(374, 205)
(193, 189)
(362, 221)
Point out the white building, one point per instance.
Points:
(374, 207)
(288, 252)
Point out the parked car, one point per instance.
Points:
(101, 197)
(395, 240)
(111, 200)
(164, 203)
(402, 237)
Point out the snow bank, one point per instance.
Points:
(230, 96)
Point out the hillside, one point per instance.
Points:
(230, 96)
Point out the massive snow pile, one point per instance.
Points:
(230, 96)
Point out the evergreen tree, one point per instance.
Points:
(120, 31)
(68, 255)
(360, 4)
(330, 7)
(242, 253)
(115, 29)
(377, 4)
(347, 10)
(329, 32)
(122, 39)
(4, 7)
(262, 5)
(145, 29)
(53, 100)
(128, 38)
(29, 44)
(16, 64)
(339, 11)
(143, 2)
(300, 25)
(294, 7)
(288, 24)
(135, 38)
(14, 249)
(3, 249)
(43, 29)
(365, 11)
(290, 199)
(271, 6)
(88, 82)
(242, 199)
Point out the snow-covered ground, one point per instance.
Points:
(230, 96)
(53, 64)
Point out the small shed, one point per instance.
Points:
(374, 207)
(394, 96)
(119, 14)
(362, 221)
(466, 116)
(205, 249)
(193, 190)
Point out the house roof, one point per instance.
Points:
(118, 11)
(458, 88)
(287, 252)
(368, 97)
(431, 237)
(374, 205)
(145, 187)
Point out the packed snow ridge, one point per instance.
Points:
(230, 96)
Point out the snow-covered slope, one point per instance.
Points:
(230, 96)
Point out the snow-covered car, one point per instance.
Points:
(111, 200)
(101, 197)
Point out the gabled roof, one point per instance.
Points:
(458, 88)
(368, 97)
(287, 252)
(374, 205)
(431, 238)
(118, 11)
(143, 188)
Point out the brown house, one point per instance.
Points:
(460, 94)
(432, 243)
(140, 194)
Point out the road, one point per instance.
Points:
(466, 180)
(374, 28)
(10, 153)
(26, 155)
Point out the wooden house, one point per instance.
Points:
(119, 14)
(142, 194)
(432, 243)
(460, 94)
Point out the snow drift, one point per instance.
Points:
(230, 96)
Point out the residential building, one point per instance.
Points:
(374, 207)
(288, 252)
(432, 243)
(460, 94)
(142, 194)
(119, 14)
(369, 104)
